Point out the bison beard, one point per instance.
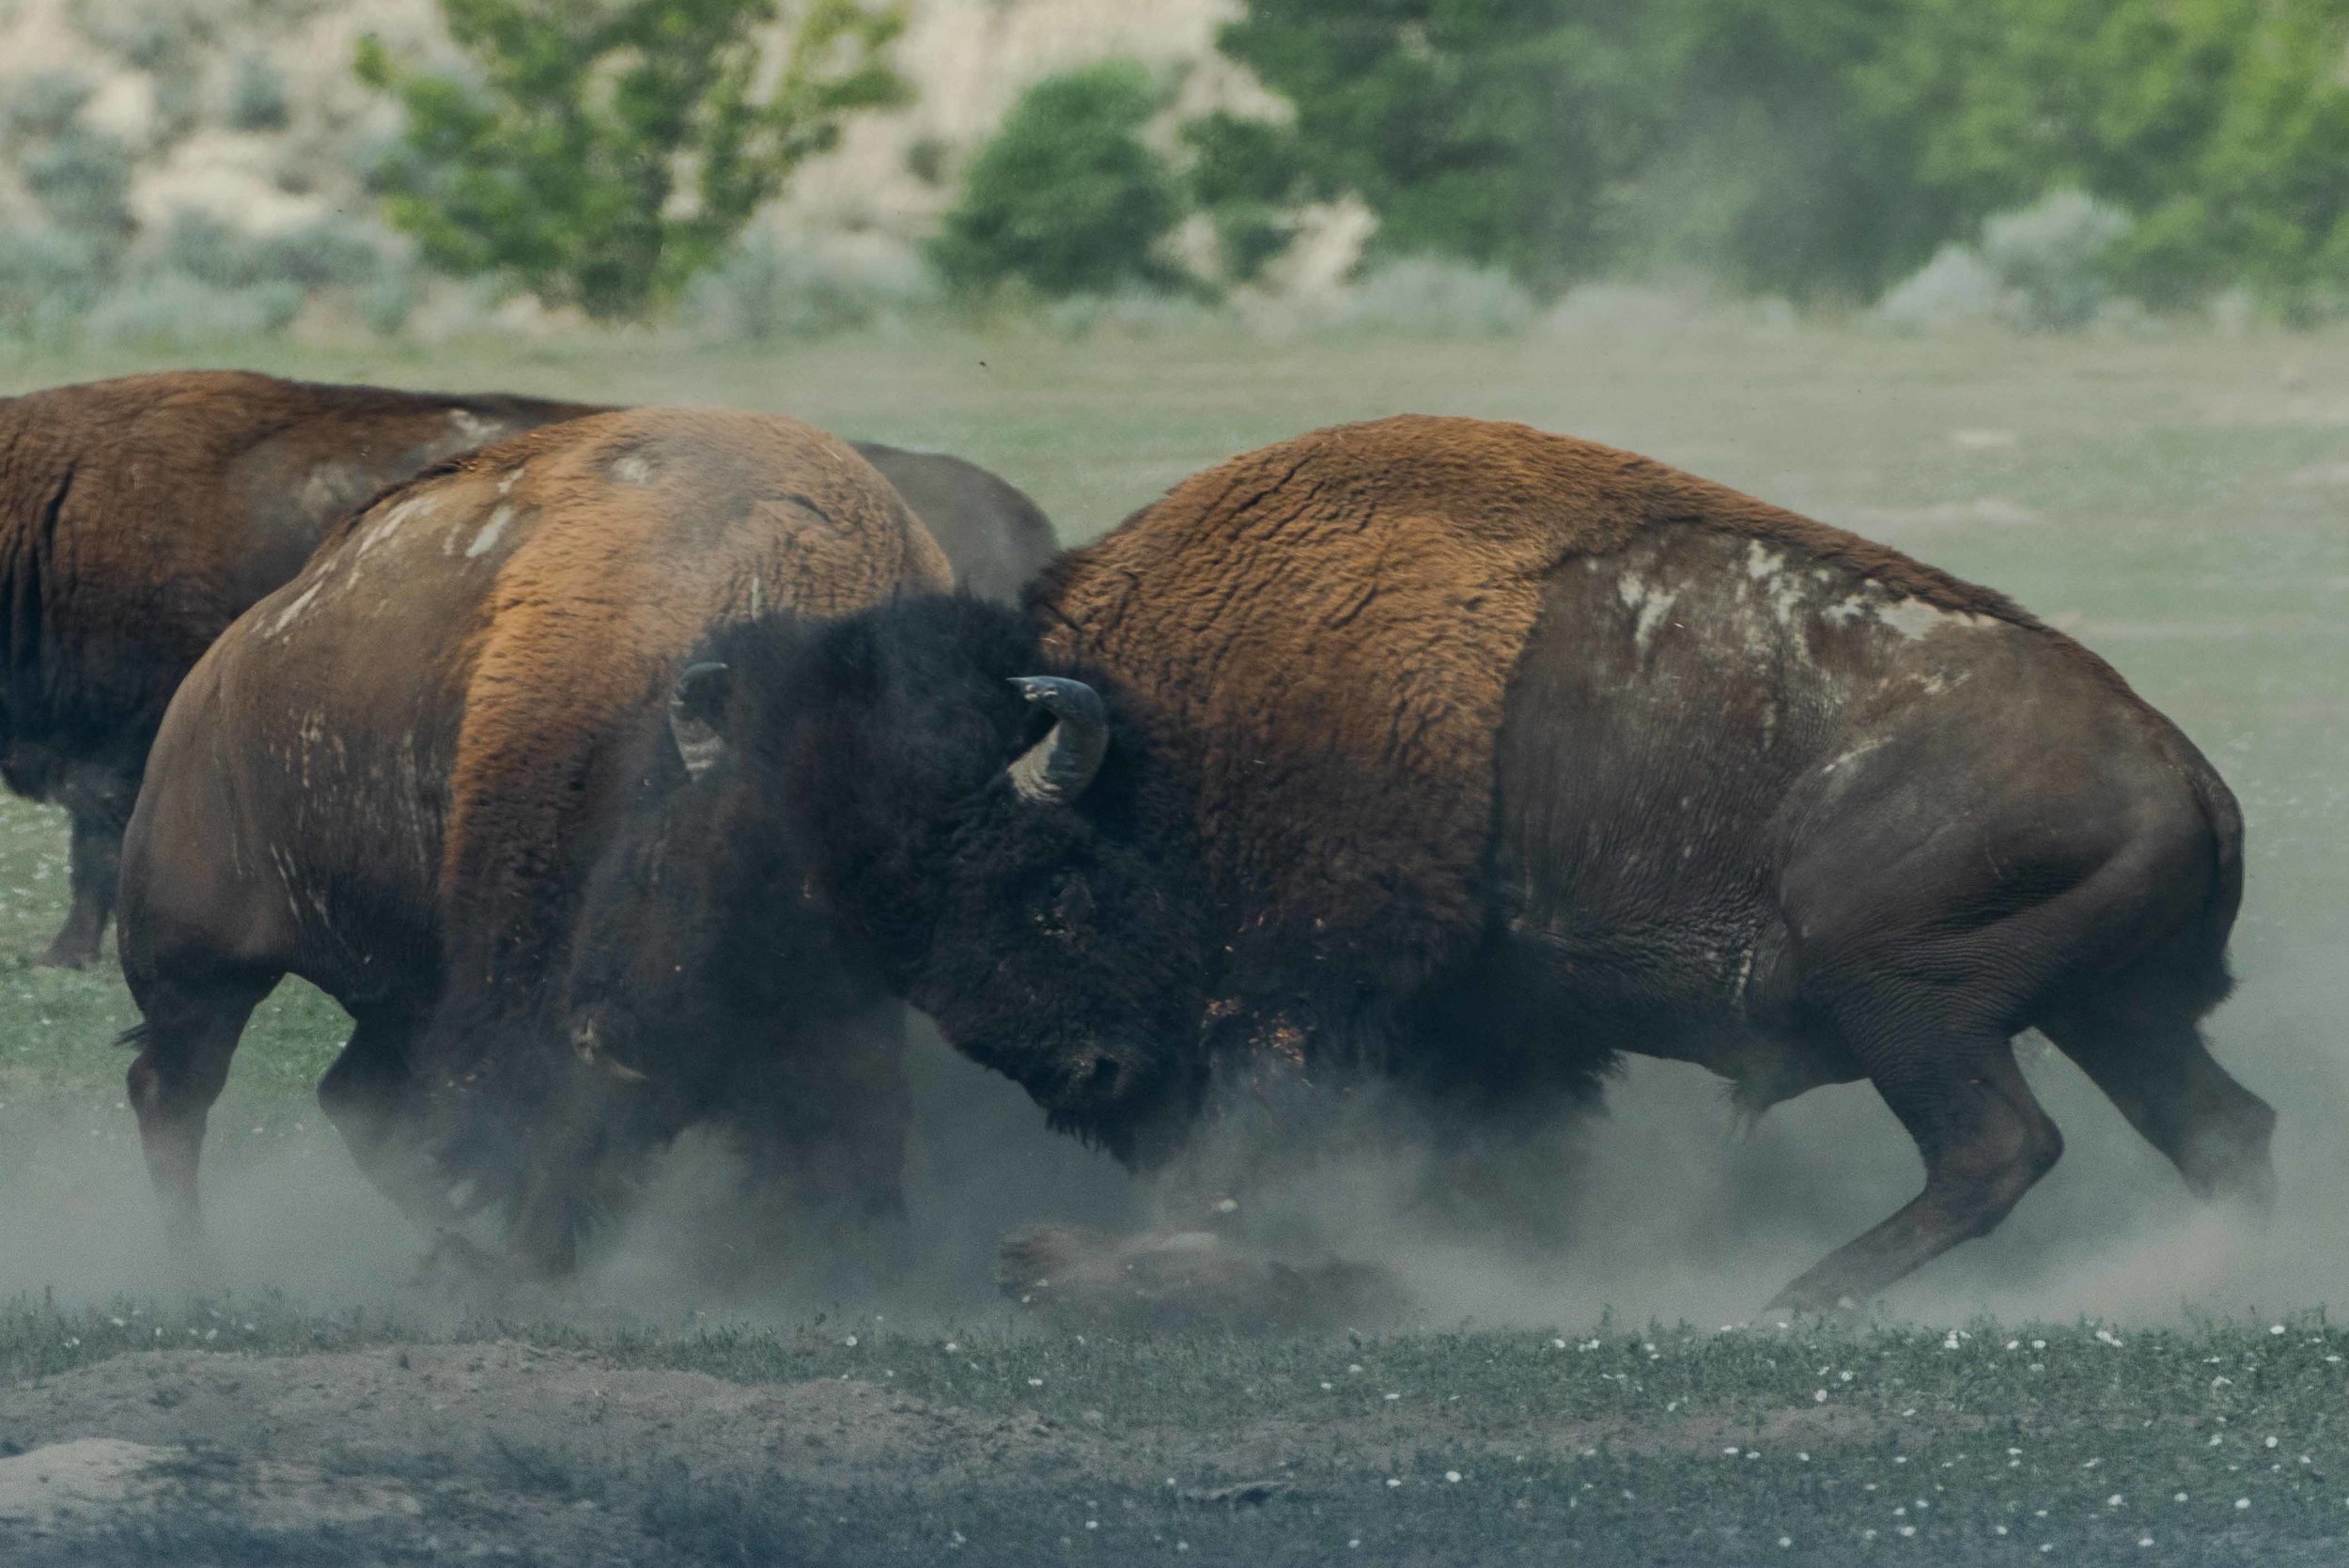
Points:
(1474, 755)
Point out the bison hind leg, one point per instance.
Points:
(186, 1038)
(2147, 1054)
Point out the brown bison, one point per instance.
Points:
(138, 517)
(450, 774)
(1472, 756)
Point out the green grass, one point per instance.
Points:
(2179, 504)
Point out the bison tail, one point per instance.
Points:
(134, 1037)
(2205, 973)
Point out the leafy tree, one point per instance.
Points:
(1246, 176)
(1499, 131)
(604, 152)
(2221, 125)
(1067, 196)
(1828, 147)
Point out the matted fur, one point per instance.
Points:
(1321, 634)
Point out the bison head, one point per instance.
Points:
(987, 832)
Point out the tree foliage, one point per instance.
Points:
(604, 152)
(1068, 197)
(1822, 148)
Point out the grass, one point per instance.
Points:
(1670, 1445)
(2180, 503)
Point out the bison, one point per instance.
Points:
(138, 517)
(1472, 756)
(451, 775)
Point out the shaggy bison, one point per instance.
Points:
(1474, 755)
(138, 517)
(451, 775)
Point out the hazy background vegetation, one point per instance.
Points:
(178, 170)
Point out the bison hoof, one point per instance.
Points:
(64, 954)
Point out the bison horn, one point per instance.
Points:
(1056, 770)
(694, 704)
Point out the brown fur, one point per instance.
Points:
(1371, 586)
(138, 517)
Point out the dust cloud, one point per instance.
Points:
(1660, 1206)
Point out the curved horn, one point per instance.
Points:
(694, 703)
(1056, 770)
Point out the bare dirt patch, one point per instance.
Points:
(428, 1447)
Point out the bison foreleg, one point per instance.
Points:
(1985, 1141)
(373, 1099)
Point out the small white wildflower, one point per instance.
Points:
(2243, 1502)
(2178, 1496)
(850, 1342)
(1036, 1382)
(2276, 1328)
(2271, 1442)
(1819, 1397)
(1908, 1530)
(1453, 1476)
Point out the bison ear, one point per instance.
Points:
(1056, 770)
(695, 705)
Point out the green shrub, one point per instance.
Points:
(164, 311)
(256, 96)
(49, 277)
(42, 105)
(1066, 198)
(767, 292)
(82, 178)
(1247, 176)
(1494, 131)
(603, 155)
